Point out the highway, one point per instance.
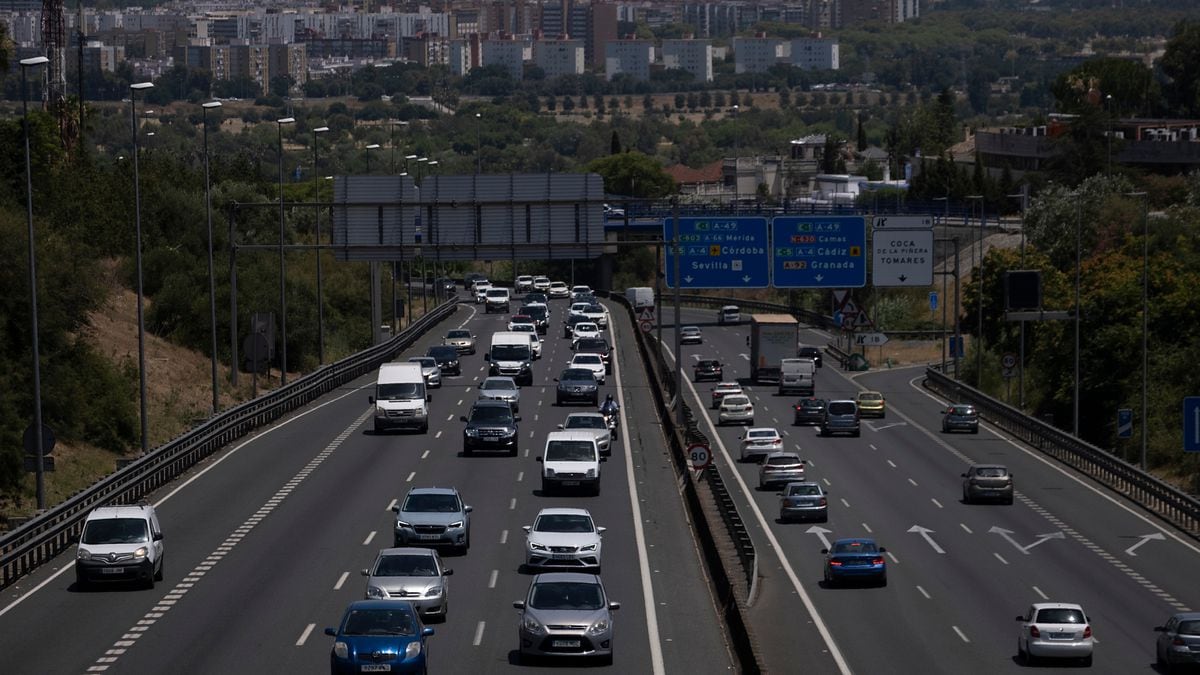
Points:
(957, 574)
(265, 541)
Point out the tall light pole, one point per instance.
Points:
(33, 301)
(137, 219)
(317, 227)
(1145, 316)
(1078, 264)
(1108, 119)
(212, 285)
(1023, 196)
(979, 271)
(282, 263)
(478, 143)
(407, 159)
(372, 146)
(737, 187)
(420, 162)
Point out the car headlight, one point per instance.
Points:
(455, 525)
(401, 523)
(413, 650)
(141, 553)
(600, 627)
(588, 548)
(533, 626)
(433, 592)
(376, 592)
(83, 554)
(534, 546)
(471, 431)
(341, 650)
(591, 473)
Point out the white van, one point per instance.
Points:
(400, 399)
(640, 296)
(729, 314)
(495, 299)
(571, 460)
(120, 543)
(512, 356)
(797, 375)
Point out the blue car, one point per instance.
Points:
(855, 559)
(379, 636)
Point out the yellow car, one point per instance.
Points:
(871, 404)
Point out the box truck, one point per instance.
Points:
(641, 296)
(773, 338)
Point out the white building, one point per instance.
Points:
(694, 56)
(559, 57)
(509, 54)
(632, 57)
(460, 57)
(757, 54)
(815, 53)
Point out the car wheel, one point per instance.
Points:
(606, 660)
(513, 452)
(596, 490)
(1022, 655)
(81, 582)
(378, 428)
(466, 451)
(557, 400)
(857, 433)
(397, 542)
(1009, 501)
(824, 518)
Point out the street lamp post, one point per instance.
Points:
(407, 159)
(373, 146)
(737, 187)
(282, 264)
(945, 240)
(137, 218)
(212, 285)
(1145, 317)
(478, 143)
(420, 162)
(1108, 119)
(1023, 196)
(317, 227)
(979, 271)
(33, 301)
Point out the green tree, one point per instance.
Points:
(1178, 64)
(634, 174)
(615, 145)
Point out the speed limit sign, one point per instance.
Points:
(699, 456)
(1009, 361)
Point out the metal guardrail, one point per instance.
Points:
(49, 534)
(1153, 495)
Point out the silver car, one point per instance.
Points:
(563, 537)
(566, 614)
(433, 516)
(1178, 641)
(780, 467)
(803, 501)
(987, 482)
(500, 388)
(736, 409)
(413, 574)
(590, 421)
(1055, 630)
(690, 335)
(429, 370)
(461, 339)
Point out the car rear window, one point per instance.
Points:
(991, 472)
(737, 400)
(1189, 628)
(782, 461)
(803, 490)
(841, 408)
(1060, 615)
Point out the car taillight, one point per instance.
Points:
(1177, 642)
(1087, 632)
(821, 502)
(835, 563)
(877, 560)
(1034, 632)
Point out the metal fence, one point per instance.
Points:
(49, 534)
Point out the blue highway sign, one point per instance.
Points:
(819, 252)
(718, 252)
(1191, 423)
(1124, 423)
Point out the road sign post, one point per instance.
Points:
(870, 339)
(719, 252)
(1191, 424)
(902, 258)
(699, 456)
(818, 252)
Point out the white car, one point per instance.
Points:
(760, 441)
(596, 313)
(736, 409)
(580, 291)
(593, 422)
(535, 342)
(524, 283)
(690, 335)
(481, 288)
(541, 284)
(571, 460)
(558, 290)
(120, 543)
(584, 329)
(1055, 630)
(429, 370)
(563, 538)
(722, 390)
(577, 308)
(592, 362)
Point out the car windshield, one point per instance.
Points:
(1060, 615)
(594, 309)
(406, 565)
(116, 531)
(841, 408)
(812, 404)
(431, 503)
(708, 364)
(563, 522)
(809, 351)
(766, 434)
(497, 293)
(510, 352)
(576, 374)
(585, 422)
(962, 410)
(591, 343)
(855, 547)
(458, 334)
(566, 595)
(523, 328)
(536, 312)
(443, 353)
(585, 327)
(397, 621)
(870, 397)
(991, 472)
(1189, 628)
(690, 329)
(803, 490)
(570, 451)
(395, 391)
(498, 385)
(492, 414)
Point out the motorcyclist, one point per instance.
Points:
(610, 406)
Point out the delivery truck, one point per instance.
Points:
(773, 338)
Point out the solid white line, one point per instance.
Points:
(492, 580)
(369, 538)
(924, 593)
(834, 651)
(341, 580)
(960, 634)
(479, 633)
(1040, 593)
(304, 636)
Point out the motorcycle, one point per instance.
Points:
(612, 417)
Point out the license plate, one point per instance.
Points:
(566, 644)
(490, 439)
(562, 556)
(376, 668)
(112, 570)
(570, 483)
(429, 537)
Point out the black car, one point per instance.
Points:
(533, 297)
(595, 346)
(447, 359)
(541, 316)
(490, 426)
(707, 369)
(809, 410)
(470, 278)
(810, 353)
(570, 321)
(577, 384)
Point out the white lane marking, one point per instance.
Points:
(845, 503)
(526, 452)
(478, 634)
(827, 483)
(423, 454)
(658, 667)
(460, 401)
(304, 636)
(391, 504)
(512, 504)
(964, 526)
(937, 503)
(893, 557)
(531, 434)
(439, 433)
(891, 463)
(341, 580)
(1000, 557)
(410, 477)
(520, 476)
(868, 528)
(913, 482)
(872, 446)
(960, 634)
(504, 536)
(369, 538)
(924, 593)
(451, 417)
(826, 635)
(492, 579)
(1040, 593)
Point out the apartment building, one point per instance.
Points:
(628, 57)
(559, 57)
(509, 54)
(694, 56)
(815, 53)
(757, 54)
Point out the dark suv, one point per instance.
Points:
(595, 346)
(809, 410)
(447, 359)
(810, 353)
(841, 417)
(707, 369)
(490, 426)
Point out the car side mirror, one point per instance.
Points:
(468, 509)
(603, 459)
(371, 400)
(824, 551)
(447, 572)
(396, 508)
(331, 632)
(516, 418)
(462, 418)
(428, 397)
(527, 528)
(427, 631)
(964, 475)
(366, 572)
(614, 605)
(556, 379)
(539, 458)
(158, 536)
(882, 549)
(1160, 629)
(601, 530)
(561, 426)
(487, 356)
(519, 604)
(1020, 618)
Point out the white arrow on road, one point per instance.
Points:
(1007, 534)
(1158, 536)
(925, 532)
(820, 532)
(745, 356)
